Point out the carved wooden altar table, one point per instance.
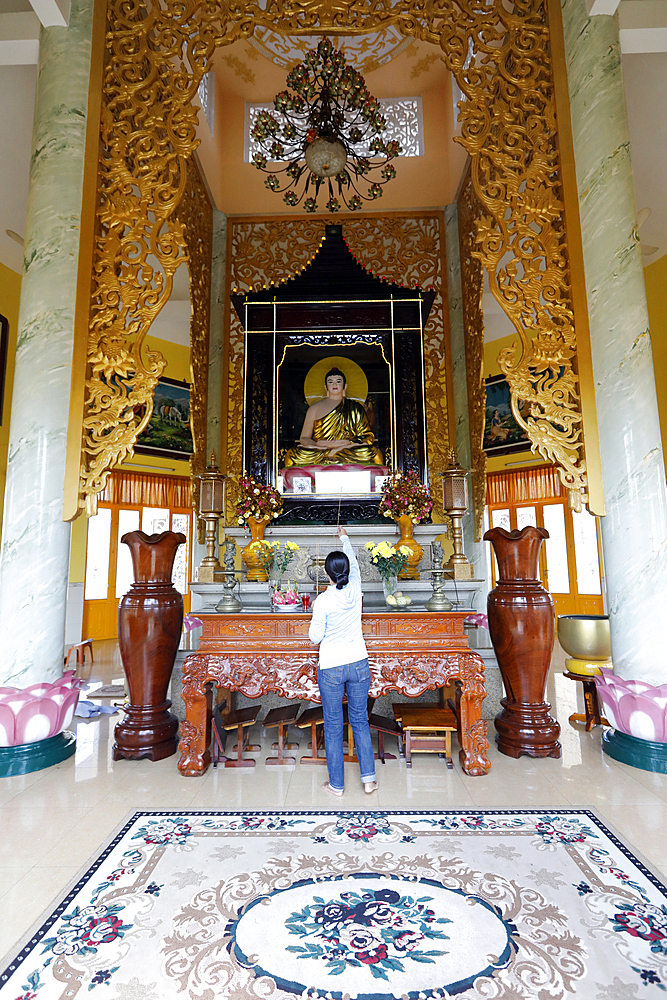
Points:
(256, 653)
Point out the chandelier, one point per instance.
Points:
(318, 129)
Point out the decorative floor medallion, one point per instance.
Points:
(353, 906)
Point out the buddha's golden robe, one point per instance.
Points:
(348, 421)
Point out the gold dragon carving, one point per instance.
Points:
(469, 210)
(195, 213)
(155, 57)
(406, 249)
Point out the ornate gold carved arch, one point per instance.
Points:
(500, 55)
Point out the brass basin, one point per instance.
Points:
(586, 637)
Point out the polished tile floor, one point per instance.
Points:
(53, 820)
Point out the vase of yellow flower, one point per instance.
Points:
(389, 561)
(408, 501)
(257, 504)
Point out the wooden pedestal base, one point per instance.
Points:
(146, 732)
(527, 730)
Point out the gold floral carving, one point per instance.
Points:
(469, 211)
(195, 214)
(500, 55)
(403, 248)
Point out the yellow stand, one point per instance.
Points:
(587, 667)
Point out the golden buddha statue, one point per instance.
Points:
(335, 430)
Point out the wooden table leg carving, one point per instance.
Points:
(472, 729)
(196, 729)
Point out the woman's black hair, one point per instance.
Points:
(337, 568)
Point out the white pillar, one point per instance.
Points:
(634, 531)
(34, 559)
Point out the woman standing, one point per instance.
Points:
(343, 666)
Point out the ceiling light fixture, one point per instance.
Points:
(318, 128)
(14, 236)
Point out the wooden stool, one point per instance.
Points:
(219, 735)
(592, 718)
(428, 730)
(241, 720)
(312, 717)
(81, 648)
(397, 708)
(282, 718)
(384, 726)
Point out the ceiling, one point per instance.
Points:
(394, 67)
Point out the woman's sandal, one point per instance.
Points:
(333, 791)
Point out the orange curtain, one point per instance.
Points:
(541, 483)
(146, 490)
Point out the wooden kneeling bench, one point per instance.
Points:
(312, 717)
(242, 719)
(428, 730)
(282, 718)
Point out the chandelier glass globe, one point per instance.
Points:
(326, 157)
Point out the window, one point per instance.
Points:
(206, 92)
(404, 123)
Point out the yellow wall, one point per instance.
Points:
(491, 367)
(178, 367)
(655, 276)
(10, 291)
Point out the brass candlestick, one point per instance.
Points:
(229, 604)
(439, 601)
(455, 504)
(211, 509)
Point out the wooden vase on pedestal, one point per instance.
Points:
(521, 625)
(256, 571)
(407, 528)
(150, 619)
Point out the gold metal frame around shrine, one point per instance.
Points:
(508, 61)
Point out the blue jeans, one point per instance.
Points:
(355, 680)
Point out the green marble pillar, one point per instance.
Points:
(634, 531)
(216, 333)
(34, 559)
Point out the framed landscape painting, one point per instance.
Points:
(502, 434)
(168, 432)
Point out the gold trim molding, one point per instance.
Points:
(195, 214)
(472, 286)
(500, 54)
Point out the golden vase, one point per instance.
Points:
(250, 554)
(407, 528)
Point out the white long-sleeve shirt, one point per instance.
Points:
(336, 621)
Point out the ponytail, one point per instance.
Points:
(337, 568)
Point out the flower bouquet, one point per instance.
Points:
(404, 493)
(260, 501)
(389, 561)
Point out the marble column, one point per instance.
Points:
(474, 551)
(216, 332)
(34, 559)
(634, 530)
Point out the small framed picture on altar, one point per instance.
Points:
(168, 432)
(301, 484)
(502, 434)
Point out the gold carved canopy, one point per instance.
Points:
(406, 247)
(507, 58)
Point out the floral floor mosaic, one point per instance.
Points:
(353, 906)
